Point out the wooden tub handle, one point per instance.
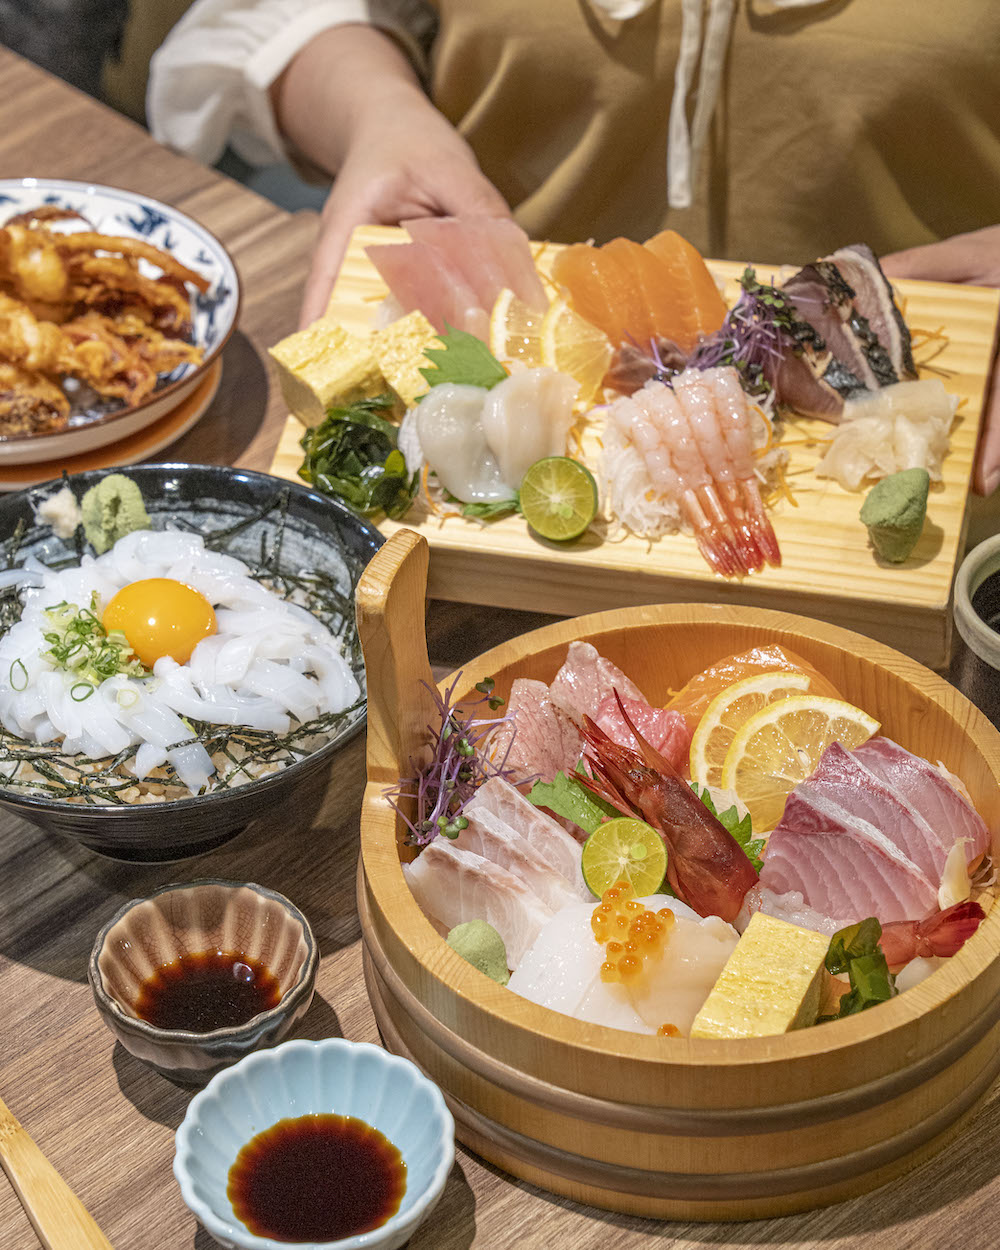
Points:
(391, 599)
(57, 1215)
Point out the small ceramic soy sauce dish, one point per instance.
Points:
(195, 976)
(292, 1144)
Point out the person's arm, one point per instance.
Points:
(973, 258)
(351, 103)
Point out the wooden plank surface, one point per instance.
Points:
(105, 1120)
(828, 569)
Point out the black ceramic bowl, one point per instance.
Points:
(315, 533)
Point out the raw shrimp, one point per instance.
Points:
(705, 865)
(711, 529)
(716, 407)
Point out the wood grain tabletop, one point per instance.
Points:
(103, 1118)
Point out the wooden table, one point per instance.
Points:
(104, 1119)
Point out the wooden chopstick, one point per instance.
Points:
(57, 1215)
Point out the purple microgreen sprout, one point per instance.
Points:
(459, 764)
(758, 333)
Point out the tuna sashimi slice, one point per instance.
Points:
(557, 847)
(841, 865)
(458, 240)
(538, 737)
(586, 679)
(492, 838)
(928, 790)
(667, 731)
(511, 247)
(421, 278)
(453, 886)
(842, 777)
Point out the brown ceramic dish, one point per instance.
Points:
(179, 920)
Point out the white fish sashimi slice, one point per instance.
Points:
(928, 790)
(545, 740)
(586, 679)
(527, 417)
(843, 866)
(562, 971)
(455, 446)
(558, 848)
(487, 835)
(453, 886)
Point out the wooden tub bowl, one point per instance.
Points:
(671, 1128)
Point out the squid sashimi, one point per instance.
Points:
(569, 970)
(421, 278)
(549, 839)
(492, 838)
(453, 886)
(562, 971)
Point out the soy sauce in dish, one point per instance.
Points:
(207, 990)
(986, 601)
(316, 1178)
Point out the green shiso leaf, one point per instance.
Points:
(464, 360)
(738, 826)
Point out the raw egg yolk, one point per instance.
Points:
(160, 616)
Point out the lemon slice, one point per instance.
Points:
(558, 498)
(515, 330)
(574, 346)
(780, 745)
(729, 711)
(624, 849)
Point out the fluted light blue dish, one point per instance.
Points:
(314, 1078)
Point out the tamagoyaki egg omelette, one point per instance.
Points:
(160, 616)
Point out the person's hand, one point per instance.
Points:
(975, 259)
(400, 164)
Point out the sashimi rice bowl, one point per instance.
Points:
(688, 841)
(172, 636)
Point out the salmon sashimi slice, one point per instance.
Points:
(420, 277)
(601, 289)
(700, 304)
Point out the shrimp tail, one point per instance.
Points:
(944, 934)
(738, 536)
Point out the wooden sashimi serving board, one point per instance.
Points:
(828, 570)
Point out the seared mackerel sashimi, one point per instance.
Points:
(868, 834)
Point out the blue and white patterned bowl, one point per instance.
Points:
(312, 1078)
(109, 210)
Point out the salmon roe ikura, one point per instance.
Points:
(630, 933)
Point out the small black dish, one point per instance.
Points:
(316, 533)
